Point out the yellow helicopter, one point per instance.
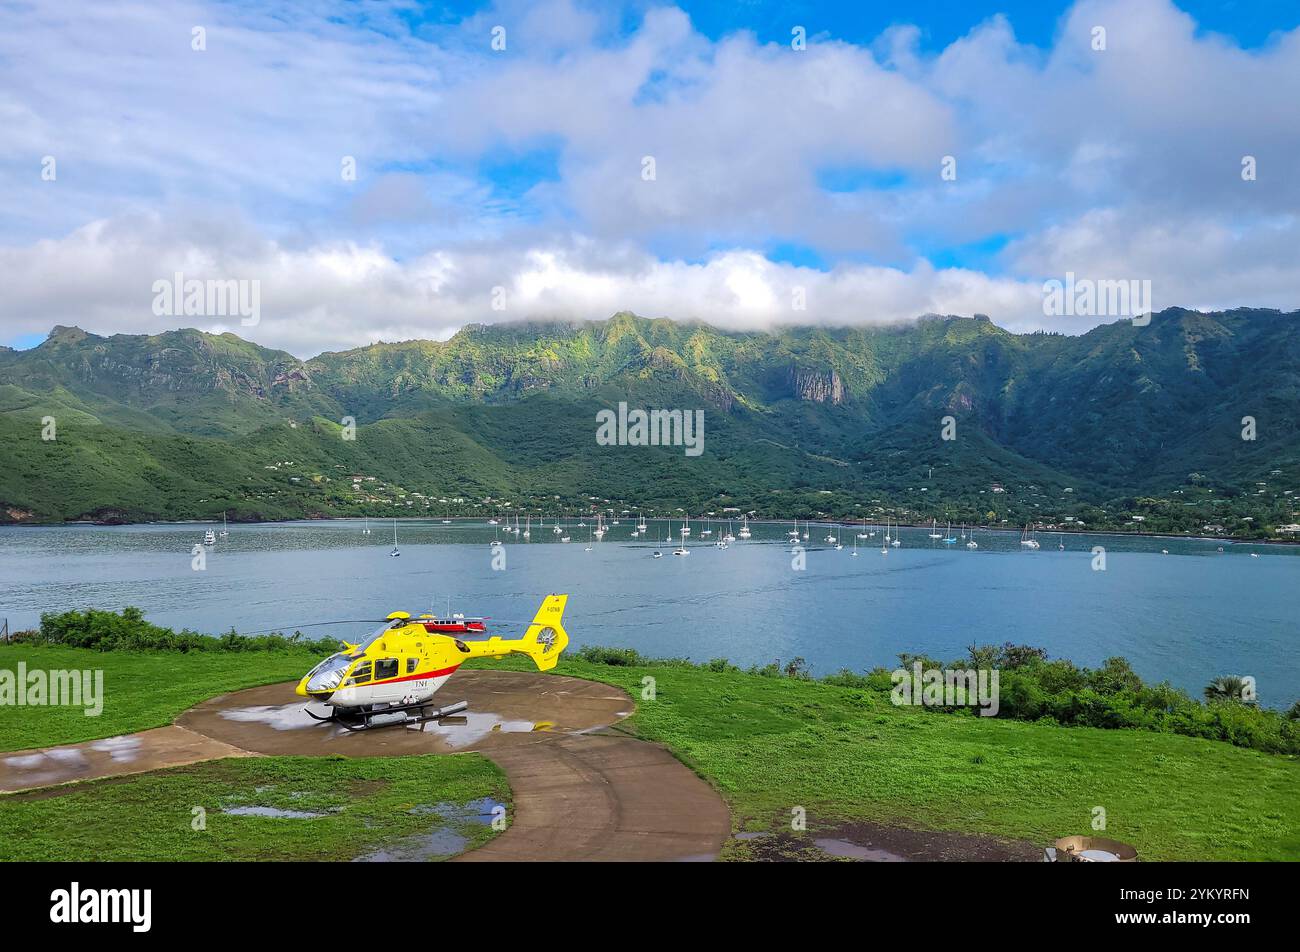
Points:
(388, 679)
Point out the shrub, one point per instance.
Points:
(128, 631)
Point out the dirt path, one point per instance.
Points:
(580, 792)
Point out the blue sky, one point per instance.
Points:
(679, 160)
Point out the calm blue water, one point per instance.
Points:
(1187, 616)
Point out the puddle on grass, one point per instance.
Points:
(272, 812)
(418, 849)
(443, 840)
(853, 851)
(479, 811)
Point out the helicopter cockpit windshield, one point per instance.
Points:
(327, 675)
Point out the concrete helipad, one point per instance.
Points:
(581, 791)
(506, 708)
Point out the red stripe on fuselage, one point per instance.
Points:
(410, 677)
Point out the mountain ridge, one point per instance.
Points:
(1119, 411)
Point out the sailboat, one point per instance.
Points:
(864, 534)
(972, 544)
(728, 538)
(640, 525)
(794, 533)
(366, 528)
(528, 526)
(744, 528)
(224, 531)
(600, 529)
(681, 549)
(588, 548)
(898, 537)
(686, 529)
(934, 534)
(949, 539)
(1027, 540)
(708, 530)
(855, 547)
(396, 551)
(884, 544)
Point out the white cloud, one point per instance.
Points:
(1123, 163)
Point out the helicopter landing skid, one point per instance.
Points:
(398, 715)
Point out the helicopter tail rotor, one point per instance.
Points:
(546, 638)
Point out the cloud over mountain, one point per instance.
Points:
(519, 178)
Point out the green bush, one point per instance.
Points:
(128, 631)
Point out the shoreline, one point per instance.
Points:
(1188, 537)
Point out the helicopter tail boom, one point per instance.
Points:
(543, 642)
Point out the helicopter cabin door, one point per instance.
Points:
(385, 670)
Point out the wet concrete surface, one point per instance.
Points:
(605, 797)
(111, 756)
(506, 708)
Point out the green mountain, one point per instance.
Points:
(1118, 422)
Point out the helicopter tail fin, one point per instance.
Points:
(546, 638)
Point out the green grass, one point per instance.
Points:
(367, 804)
(770, 744)
(140, 690)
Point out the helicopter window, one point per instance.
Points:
(411, 665)
(327, 675)
(361, 675)
(385, 668)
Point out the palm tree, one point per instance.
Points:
(1228, 687)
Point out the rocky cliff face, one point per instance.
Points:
(820, 386)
